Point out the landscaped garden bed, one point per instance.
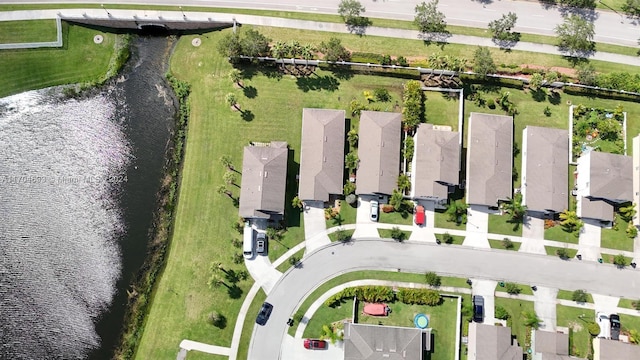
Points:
(597, 129)
(577, 320)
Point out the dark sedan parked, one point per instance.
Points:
(263, 315)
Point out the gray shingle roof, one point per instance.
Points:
(488, 342)
(611, 176)
(595, 209)
(617, 350)
(546, 154)
(375, 342)
(379, 152)
(489, 158)
(264, 178)
(552, 345)
(322, 154)
(437, 162)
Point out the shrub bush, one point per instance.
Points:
(419, 296)
(364, 57)
(593, 328)
(512, 288)
(579, 296)
(501, 313)
(433, 279)
(382, 94)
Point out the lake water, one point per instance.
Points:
(78, 183)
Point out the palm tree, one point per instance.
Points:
(307, 51)
(223, 190)
(352, 138)
(531, 319)
(226, 162)
(351, 161)
(404, 183)
(235, 76)
(216, 281)
(515, 209)
(396, 200)
(570, 221)
(294, 49)
(634, 337)
(279, 50)
(232, 101)
(297, 203)
(457, 212)
(229, 178)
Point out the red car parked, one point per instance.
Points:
(313, 344)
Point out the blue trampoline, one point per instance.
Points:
(421, 321)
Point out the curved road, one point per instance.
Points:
(459, 261)
(533, 17)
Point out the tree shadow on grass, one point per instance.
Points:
(247, 115)
(358, 25)
(538, 95)
(250, 91)
(235, 292)
(554, 97)
(325, 82)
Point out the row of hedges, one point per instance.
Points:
(386, 294)
(413, 104)
(144, 284)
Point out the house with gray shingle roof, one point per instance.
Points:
(375, 342)
(488, 342)
(264, 179)
(604, 349)
(436, 163)
(489, 159)
(547, 345)
(379, 152)
(603, 180)
(322, 154)
(545, 169)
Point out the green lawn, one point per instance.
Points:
(524, 289)
(630, 322)
(394, 217)
(286, 265)
(197, 355)
(566, 295)
(557, 234)
(78, 61)
(576, 319)
(499, 224)
(457, 240)
(551, 250)
(27, 31)
(326, 316)
(386, 234)
(441, 222)
(497, 244)
(515, 308)
(442, 319)
(347, 215)
(608, 258)
(249, 323)
(616, 238)
(294, 234)
(627, 303)
(334, 236)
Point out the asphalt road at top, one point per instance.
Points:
(459, 261)
(533, 17)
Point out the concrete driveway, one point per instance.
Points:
(533, 235)
(315, 225)
(293, 349)
(545, 307)
(365, 228)
(486, 289)
(477, 227)
(589, 240)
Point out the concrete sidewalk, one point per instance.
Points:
(115, 14)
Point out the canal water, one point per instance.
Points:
(78, 184)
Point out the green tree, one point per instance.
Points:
(222, 190)
(575, 35)
(536, 80)
(225, 160)
(632, 8)
(230, 178)
(515, 209)
(433, 279)
(409, 148)
(216, 319)
(447, 238)
(396, 200)
(397, 234)
(507, 243)
(620, 261)
(580, 296)
(235, 76)
(334, 51)
(428, 19)
(342, 235)
(413, 104)
(531, 319)
(404, 183)
(512, 288)
(352, 138)
(350, 11)
(280, 50)
(293, 261)
(230, 46)
(457, 212)
(237, 257)
(562, 253)
(232, 100)
(627, 212)
(501, 313)
(586, 74)
(297, 203)
(349, 188)
(501, 28)
(570, 221)
(273, 234)
(351, 161)
(634, 337)
(483, 61)
(382, 94)
(255, 44)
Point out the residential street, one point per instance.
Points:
(533, 17)
(457, 261)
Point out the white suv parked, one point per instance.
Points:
(605, 325)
